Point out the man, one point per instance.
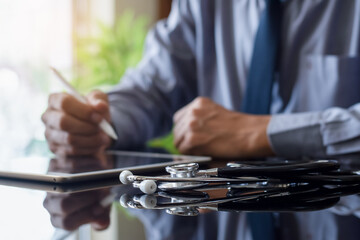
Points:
(204, 49)
(194, 75)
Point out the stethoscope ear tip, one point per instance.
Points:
(148, 186)
(148, 201)
(124, 200)
(123, 177)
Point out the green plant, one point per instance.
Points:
(166, 142)
(102, 60)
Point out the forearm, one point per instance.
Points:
(256, 142)
(142, 105)
(332, 132)
(136, 119)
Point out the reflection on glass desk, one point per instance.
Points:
(87, 168)
(214, 211)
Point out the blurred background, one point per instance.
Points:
(92, 42)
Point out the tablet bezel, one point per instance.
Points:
(65, 178)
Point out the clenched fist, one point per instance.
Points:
(72, 127)
(206, 128)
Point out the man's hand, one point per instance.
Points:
(72, 127)
(71, 210)
(205, 128)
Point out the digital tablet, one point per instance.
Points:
(82, 169)
(82, 186)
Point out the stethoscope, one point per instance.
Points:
(241, 175)
(295, 198)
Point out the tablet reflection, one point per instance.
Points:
(69, 211)
(80, 164)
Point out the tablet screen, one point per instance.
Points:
(76, 169)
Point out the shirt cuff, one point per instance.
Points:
(296, 135)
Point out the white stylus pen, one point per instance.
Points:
(104, 125)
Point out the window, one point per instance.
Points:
(34, 35)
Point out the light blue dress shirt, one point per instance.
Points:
(204, 49)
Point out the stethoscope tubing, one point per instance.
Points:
(276, 170)
(136, 178)
(247, 195)
(315, 172)
(251, 200)
(279, 206)
(330, 178)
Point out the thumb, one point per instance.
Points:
(99, 102)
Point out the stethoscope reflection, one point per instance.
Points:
(290, 199)
(191, 203)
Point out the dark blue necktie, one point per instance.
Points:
(258, 93)
(260, 79)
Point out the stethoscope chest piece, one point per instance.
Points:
(186, 170)
(176, 186)
(183, 211)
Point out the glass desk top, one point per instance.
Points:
(36, 210)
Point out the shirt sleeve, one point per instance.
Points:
(347, 205)
(143, 104)
(333, 132)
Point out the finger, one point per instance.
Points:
(178, 140)
(179, 133)
(73, 221)
(182, 127)
(102, 221)
(68, 151)
(191, 150)
(65, 204)
(60, 120)
(66, 103)
(194, 143)
(99, 102)
(196, 104)
(97, 95)
(82, 141)
(204, 211)
(184, 146)
(74, 164)
(52, 146)
(94, 213)
(180, 114)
